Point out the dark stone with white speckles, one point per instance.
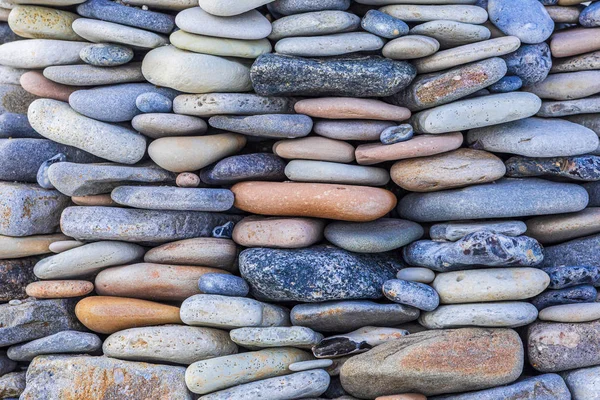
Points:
(475, 249)
(531, 63)
(384, 25)
(106, 55)
(414, 294)
(61, 342)
(582, 251)
(316, 274)
(153, 103)
(245, 167)
(590, 16)
(171, 198)
(564, 276)
(278, 75)
(42, 175)
(526, 19)
(578, 168)
(16, 126)
(570, 295)
(396, 134)
(225, 285)
(267, 125)
(506, 84)
(289, 7)
(14, 276)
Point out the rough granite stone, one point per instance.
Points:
(414, 294)
(255, 167)
(578, 168)
(582, 251)
(61, 342)
(12, 385)
(14, 276)
(570, 295)
(453, 231)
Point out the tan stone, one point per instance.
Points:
(152, 281)
(37, 84)
(569, 2)
(458, 168)
(96, 200)
(409, 47)
(563, 227)
(64, 245)
(287, 233)
(315, 148)
(575, 41)
(105, 314)
(188, 180)
(560, 14)
(210, 252)
(59, 289)
(404, 396)
(17, 247)
(36, 22)
(418, 146)
(351, 108)
(340, 202)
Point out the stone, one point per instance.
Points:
(7, 365)
(169, 198)
(273, 232)
(578, 168)
(381, 235)
(560, 228)
(157, 125)
(64, 245)
(152, 102)
(15, 99)
(528, 20)
(578, 312)
(358, 341)
(40, 53)
(168, 344)
(329, 45)
(223, 231)
(315, 148)
(215, 7)
(97, 31)
(42, 175)
(570, 107)
(452, 33)
(570, 295)
(383, 25)
(61, 342)
(567, 15)
(219, 46)
(476, 113)
(505, 198)
(314, 24)
(581, 251)
(583, 62)
(567, 86)
(510, 314)
(593, 189)
(208, 105)
(583, 383)
(315, 274)
(370, 76)
(91, 75)
(268, 125)
(254, 167)
(506, 85)
(452, 231)
(564, 276)
(340, 316)
(574, 42)
(251, 25)
(413, 294)
(53, 377)
(467, 53)
(194, 152)
(225, 285)
(320, 200)
(351, 129)
(16, 126)
(531, 63)
(12, 384)
(114, 12)
(416, 274)
(404, 396)
(42, 23)
(14, 276)
(231, 312)
(209, 252)
(133, 225)
(410, 47)
(170, 67)
(477, 248)
(423, 362)
(59, 289)
(312, 364)
(424, 13)
(107, 315)
(418, 146)
(257, 338)
(554, 347)
(106, 55)
(396, 134)
(350, 108)
(329, 172)
(176, 5)
(17, 247)
(590, 16)
(291, 7)
(75, 179)
(33, 319)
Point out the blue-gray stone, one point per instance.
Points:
(590, 15)
(16, 126)
(531, 63)
(42, 176)
(6, 34)
(266, 125)
(370, 76)
(114, 103)
(577, 168)
(153, 103)
(570, 295)
(106, 55)
(564, 276)
(526, 19)
(112, 11)
(483, 3)
(173, 198)
(505, 198)
(396, 134)
(245, 167)
(581, 251)
(506, 84)
(384, 25)
(316, 274)
(549, 2)
(415, 294)
(542, 387)
(6, 364)
(225, 285)
(593, 189)
(583, 383)
(61, 342)
(224, 231)
(475, 249)
(289, 7)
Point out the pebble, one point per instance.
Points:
(571, 295)
(176, 5)
(424, 13)
(570, 107)
(565, 276)
(61, 342)
(168, 344)
(453, 231)
(42, 23)
(328, 172)
(15, 275)
(17, 247)
(218, 46)
(580, 251)
(561, 14)
(452, 33)
(578, 168)
(40, 53)
(59, 289)
(257, 338)
(410, 47)
(574, 42)
(97, 31)
(396, 134)
(16, 126)
(329, 45)
(91, 75)
(416, 274)
(152, 102)
(531, 63)
(350, 129)
(560, 228)
(315, 148)
(383, 25)
(268, 125)
(413, 294)
(506, 85)
(583, 62)
(13, 384)
(208, 105)
(581, 312)
(350, 108)
(273, 232)
(311, 364)
(358, 341)
(590, 16)
(157, 125)
(169, 198)
(379, 236)
(64, 245)
(251, 25)
(106, 55)
(218, 8)
(209, 252)
(528, 20)
(290, 7)
(583, 383)
(225, 285)
(567, 86)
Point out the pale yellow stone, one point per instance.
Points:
(36, 22)
(220, 46)
(16, 247)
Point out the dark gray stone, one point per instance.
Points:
(153, 103)
(590, 16)
(274, 74)
(593, 189)
(245, 167)
(316, 274)
(6, 34)
(173, 198)
(14, 276)
(16, 126)
(225, 285)
(581, 251)
(415, 294)
(267, 125)
(6, 364)
(506, 84)
(106, 55)
(531, 63)
(42, 175)
(396, 134)
(61, 342)
(570, 295)
(564, 276)
(577, 168)
(384, 25)
(289, 7)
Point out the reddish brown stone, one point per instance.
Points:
(36, 83)
(59, 289)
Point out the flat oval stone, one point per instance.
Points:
(59, 289)
(510, 314)
(40, 53)
(97, 31)
(476, 113)
(91, 75)
(152, 102)
(176, 5)
(208, 105)
(583, 62)
(61, 342)
(413, 294)
(570, 295)
(251, 25)
(218, 8)
(268, 125)
(289, 7)
(583, 383)
(320, 200)
(169, 198)
(319, 273)
(410, 47)
(381, 235)
(280, 75)
(315, 148)
(573, 42)
(358, 341)
(16, 126)
(453, 231)
(42, 23)
(579, 168)
(563, 108)
(15, 247)
(416, 274)
(418, 146)
(329, 45)
(564, 276)
(383, 25)
(295, 336)
(531, 63)
(340, 316)
(582, 312)
(505, 198)
(528, 20)
(15, 275)
(225, 285)
(255, 231)
(567, 86)
(219, 46)
(157, 125)
(351, 129)
(506, 85)
(492, 284)
(210, 252)
(314, 24)
(452, 33)
(64, 245)
(350, 108)
(170, 67)
(256, 167)
(461, 167)
(328, 172)
(106, 55)
(36, 83)
(560, 228)
(194, 152)
(424, 13)
(169, 343)
(312, 364)
(59, 122)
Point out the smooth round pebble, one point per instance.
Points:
(153, 103)
(59, 289)
(410, 293)
(409, 47)
(187, 180)
(225, 285)
(106, 55)
(581, 312)
(416, 274)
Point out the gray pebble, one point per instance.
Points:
(171, 198)
(268, 125)
(414, 294)
(42, 175)
(289, 7)
(396, 134)
(153, 103)
(570, 295)
(584, 383)
(564, 276)
(61, 342)
(383, 25)
(581, 251)
(314, 24)
(225, 285)
(245, 167)
(453, 231)
(106, 55)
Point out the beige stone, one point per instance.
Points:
(59, 289)
(568, 85)
(209, 252)
(315, 148)
(103, 200)
(351, 108)
(560, 14)
(36, 22)
(286, 233)
(575, 41)
(409, 47)
(64, 245)
(563, 227)
(423, 13)
(36, 83)
(17, 247)
(220, 46)
(404, 396)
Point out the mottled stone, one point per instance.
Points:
(583, 62)
(583, 383)
(106, 55)
(329, 172)
(582, 251)
(564, 276)
(251, 25)
(509, 314)
(42, 23)
(114, 12)
(578, 168)
(255, 167)
(329, 45)
(61, 342)
(452, 33)
(351, 129)
(453, 231)
(225, 285)
(423, 13)
(295, 336)
(59, 289)
(208, 105)
(90, 75)
(506, 84)
(97, 31)
(570, 107)
(413, 294)
(269, 125)
(157, 125)
(14, 276)
(358, 341)
(40, 53)
(17, 247)
(528, 20)
(170, 198)
(570, 295)
(152, 102)
(12, 385)
(396, 134)
(210, 252)
(383, 25)
(531, 63)
(15, 99)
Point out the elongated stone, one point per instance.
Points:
(581, 312)
(452, 33)
(250, 25)
(61, 342)
(243, 167)
(91, 75)
(574, 42)
(11, 247)
(329, 45)
(570, 295)
(581, 251)
(424, 13)
(314, 23)
(350, 108)
(59, 289)
(583, 383)
(168, 198)
(97, 31)
(416, 274)
(351, 129)
(560, 228)
(40, 53)
(453, 231)
(358, 341)
(563, 276)
(291, 7)
(584, 62)
(106, 55)
(570, 107)
(226, 285)
(16, 126)
(208, 105)
(273, 232)
(509, 314)
(220, 46)
(578, 168)
(42, 23)
(270, 126)
(413, 294)
(157, 125)
(209, 252)
(567, 86)
(295, 336)
(329, 172)
(220, 9)
(315, 148)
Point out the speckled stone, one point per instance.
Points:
(583, 383)
(14, 276)
(560, 228)
(567, 85)
(314, 23)
(132, 16)
(453, 231)
(59, 289)
(92, 75)
(590, 16)
(269, 125)
(506, 85)
(15, 247)
(414, 294)
(16, 126)
(507, 314)
(564, 276)
(152, 102)
(581, 251)
(351, 129)
(15, 99)
(570, 295)
(337, 44)
(528, 20)
(276, 75)
(358, 341)
(97, 31)
(61, 342)
(158, 125)
(12, 384)
(275, 232)
(583, 62)
(295, 336)
(312, 364)
(383, 25)
(396, 134)
(579, 312)
(225, 285)
(251, 25)
(270, 272)
(578, 168)
(210, 252)
(564, 14)
(208, 105)
(40, 53)
(423, 13)
(452, 33)
(7, 365)
(531, 63)
(170, 198)
(290, 7)
(570, 107)
(106, 55)
(30, 21)
(255, 167)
